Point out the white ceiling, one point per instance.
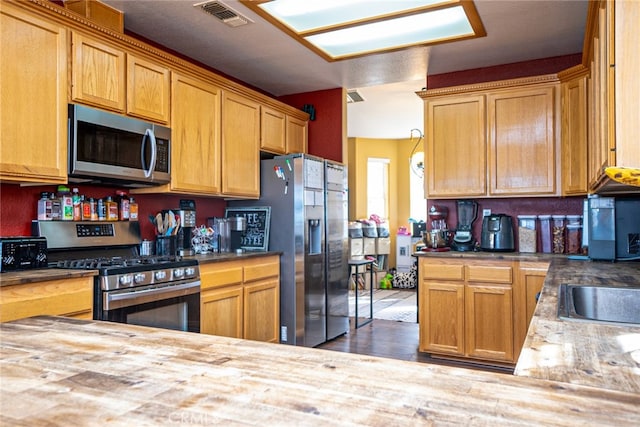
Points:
(264, 57)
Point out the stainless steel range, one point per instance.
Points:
(159, 291)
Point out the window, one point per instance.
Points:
(417, 202)
(378, 187)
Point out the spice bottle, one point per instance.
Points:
(123, 205)
(558, 231)
(93, 209)
(111, 208)
(44, 207)
(86, 208)
(56, 207)
(102, 210)
(133, 210)
(527, 233)
(545, 233)
(77, 205)
(66, 200)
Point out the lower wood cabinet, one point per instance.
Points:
(64, 297)
(476, 308)
(241, 299)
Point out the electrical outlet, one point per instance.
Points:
(486, 212)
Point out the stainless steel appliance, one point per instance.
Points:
(237, 227)
(613, 228)
(158, 291)
(187, 214)
(463, 240)
(106, 147)
(23, 253)
(336, 243)
(294, 187)
(497, 233)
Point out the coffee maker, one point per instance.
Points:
(237, 228)
(187, 214)
(467, 211)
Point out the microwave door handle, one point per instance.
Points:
(154, 151)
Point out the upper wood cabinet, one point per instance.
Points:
(455, 146)
(574, 134)
(492, 139)
(240, 146)
(33, 98)
(273, 128)
(98, 73)
(522, 149)
(195, 136)
(612, 88)
(296, 135)
(147, 89)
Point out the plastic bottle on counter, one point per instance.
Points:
(133, 209)
(123, 205)
(545, 233)
(86, 208)
(527, 233)
(102, 210)
(44, 207)
(56, 207)
(66, 200)
(558, 231)
(111, 208)
(93, 209)
(77, 204)
(573, 244)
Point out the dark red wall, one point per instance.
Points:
(504, 72)
(19, 207)
(325, 132)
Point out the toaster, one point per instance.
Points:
(497, 233)
(23, 253)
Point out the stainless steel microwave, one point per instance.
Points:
(106, 147)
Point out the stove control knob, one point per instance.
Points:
(126, 279)
(190, 271)
(178, 273)
(161, 275)
(139, 277)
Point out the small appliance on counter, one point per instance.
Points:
(23, 253)
(187, 215)
(613, 228)
(497, 233)
(237, 228)
(463, 240)
(437, 239)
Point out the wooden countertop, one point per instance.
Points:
(42, 275)
(221, 257)
(58, 370)
(582, 352)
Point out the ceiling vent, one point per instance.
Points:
(224, 13)
(354, 96)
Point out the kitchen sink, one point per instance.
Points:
(599, 303)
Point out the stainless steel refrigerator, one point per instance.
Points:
(336, 239)
(294, 187)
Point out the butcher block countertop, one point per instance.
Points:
(574, 351)
(58, 371)
(42, 275)
(231, 256)
(583, 352)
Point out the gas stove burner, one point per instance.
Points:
(104, 262)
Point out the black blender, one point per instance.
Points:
(463, 239)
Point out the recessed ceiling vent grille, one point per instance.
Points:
(354, 96)
(224, 13)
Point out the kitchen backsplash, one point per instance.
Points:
(19, 206)
(512, 207)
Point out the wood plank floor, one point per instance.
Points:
(393, 340)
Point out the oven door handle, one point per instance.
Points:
(114, 301)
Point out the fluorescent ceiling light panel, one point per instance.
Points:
(341, 29)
